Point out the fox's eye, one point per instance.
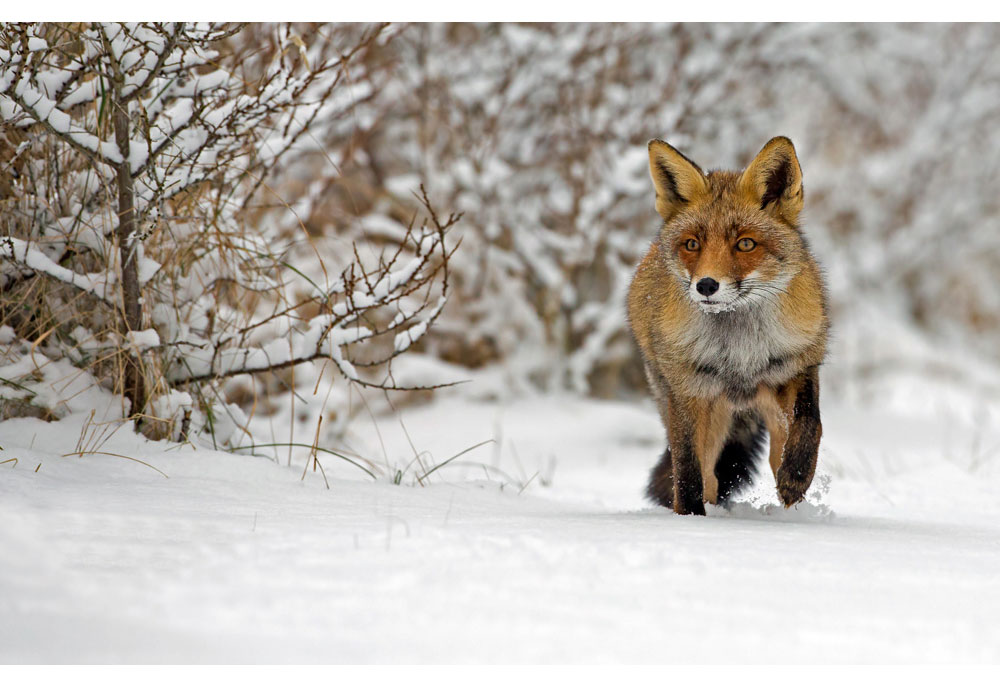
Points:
(746, 245)
(691, 245)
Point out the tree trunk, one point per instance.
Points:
(134, 383)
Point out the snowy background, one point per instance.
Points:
(294, 515)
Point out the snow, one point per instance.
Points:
(142, 340)
(534, 547)
(96, 284)
(55, 385)
(408, 337)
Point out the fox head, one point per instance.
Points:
(731, 238)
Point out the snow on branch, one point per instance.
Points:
(353, 316)
(99, 285)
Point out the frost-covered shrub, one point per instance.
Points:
(139, 240)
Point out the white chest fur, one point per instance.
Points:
(741, 348)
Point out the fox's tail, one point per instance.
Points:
(737, 464)
(661, 481)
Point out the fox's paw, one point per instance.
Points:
(694, 508)
(792, 485)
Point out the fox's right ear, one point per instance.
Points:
(678, 181)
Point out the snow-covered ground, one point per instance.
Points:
(535, 547)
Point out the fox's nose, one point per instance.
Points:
(707, 286)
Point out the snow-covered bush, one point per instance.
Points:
(139, 240)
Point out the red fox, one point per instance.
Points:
(729, 310)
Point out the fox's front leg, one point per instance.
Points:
(798, 463)
(713, 418)
(688, 489)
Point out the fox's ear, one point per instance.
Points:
(678, 181)
(774, 180)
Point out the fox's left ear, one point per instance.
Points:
(774, 180)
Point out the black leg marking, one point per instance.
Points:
(798, 465)
(688, 489)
